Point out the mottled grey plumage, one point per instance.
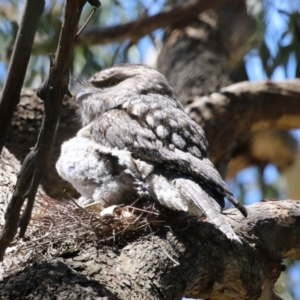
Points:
(137, 140)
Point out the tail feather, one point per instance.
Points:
(181, 193)
(238, 205)
(205, 170)
(203, 203)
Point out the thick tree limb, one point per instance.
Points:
(18, 66)
(244, 108)
(195, 261)
(273, 146)
(147, 267)
(137, 29)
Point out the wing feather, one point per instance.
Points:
(206, 204)
(182, 147)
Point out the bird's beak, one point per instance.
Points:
(82, 95)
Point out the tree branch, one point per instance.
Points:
(272, 146)
(145, 25)
(207, 265)
(249, 107)
(36, 161)
(19, 61)
(210, 266)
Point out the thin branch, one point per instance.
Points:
(19, 61)
(86, 21)
(141, 27)
(37, 160)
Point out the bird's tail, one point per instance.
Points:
(202, 204)
(237, 204)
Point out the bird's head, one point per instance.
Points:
(111, 87)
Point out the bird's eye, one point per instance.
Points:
(102, 84)
(112, 82)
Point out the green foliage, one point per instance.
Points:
(288, 45)
(8, 30)
(87, 59)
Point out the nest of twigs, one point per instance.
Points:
(59, 227)
(62, 228)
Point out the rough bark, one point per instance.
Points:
(198, 56)
(165, 262)
(9, 168)
(24, 131)
(204, 55)
(168, 263)
(174, 260)
(250, 107)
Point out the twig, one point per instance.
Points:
(143, 26)
(143, 210)
(74, 202)
(37, 160)
(135, 221)
(18, 65)
(135, 201)
(26, 215)
(168, 255)
(152, 235)
(86, 21)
